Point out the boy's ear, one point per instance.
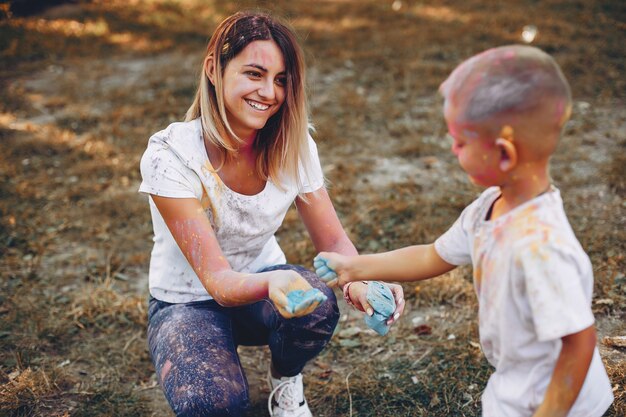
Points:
(209, 68)
(508, 154)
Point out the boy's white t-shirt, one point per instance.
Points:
(534, 284)
(175, 164)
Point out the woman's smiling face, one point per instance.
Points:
(254, 87)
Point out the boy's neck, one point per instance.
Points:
(527, 182)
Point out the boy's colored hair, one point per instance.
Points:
(508, 80)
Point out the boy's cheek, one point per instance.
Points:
(480, 180)
(486, 178)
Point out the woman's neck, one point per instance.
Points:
(246, 150)
(246, 146)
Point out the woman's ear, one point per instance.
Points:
(209, 68)
(508, 154)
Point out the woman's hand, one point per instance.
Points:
(398, 295)
(281, 287)
(358, 296)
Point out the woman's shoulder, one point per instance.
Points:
(180, 141)
(179, 132)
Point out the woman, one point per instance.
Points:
(220, 185)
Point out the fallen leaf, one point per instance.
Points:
(325, 374)
(423, 329)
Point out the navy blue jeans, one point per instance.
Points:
(194, 347)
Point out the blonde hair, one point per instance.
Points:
(282, 144)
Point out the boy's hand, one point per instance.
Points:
(332, 268)
(292, 295)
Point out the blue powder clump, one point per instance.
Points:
(381, 299)
(299, 299)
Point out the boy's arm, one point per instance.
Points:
(569, 373)
(412, 263)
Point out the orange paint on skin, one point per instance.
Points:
(238, 288)
(507, 133)
(192, 244)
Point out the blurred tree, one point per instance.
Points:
(31, 7)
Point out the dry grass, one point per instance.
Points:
(82, 86)
(24, 388)
(102, 306)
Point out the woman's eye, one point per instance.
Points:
(281, 81)
(254, 74)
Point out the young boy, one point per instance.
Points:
(505, 109)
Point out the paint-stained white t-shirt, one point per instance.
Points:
(534, 284)
(175, 164)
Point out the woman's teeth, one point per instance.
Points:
(257, 106)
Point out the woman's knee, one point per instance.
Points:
(326, 315)
(330, 311)
(323, 320)
(190, 402)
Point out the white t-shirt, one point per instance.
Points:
(175, 164)
(534, 284)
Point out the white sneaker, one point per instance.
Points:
(287, 397)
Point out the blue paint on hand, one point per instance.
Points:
(322, 269)
(381, 299)
(299, 300)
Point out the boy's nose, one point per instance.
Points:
(455, 148)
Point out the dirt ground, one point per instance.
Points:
(84, 84)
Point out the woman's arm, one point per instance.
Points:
(194, 235)
(327, 233)
(569, 373)
(321, 221)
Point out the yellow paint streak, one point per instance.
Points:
(507, 133)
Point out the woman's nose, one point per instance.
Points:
(268, 90)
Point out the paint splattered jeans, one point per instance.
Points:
(194, 347)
